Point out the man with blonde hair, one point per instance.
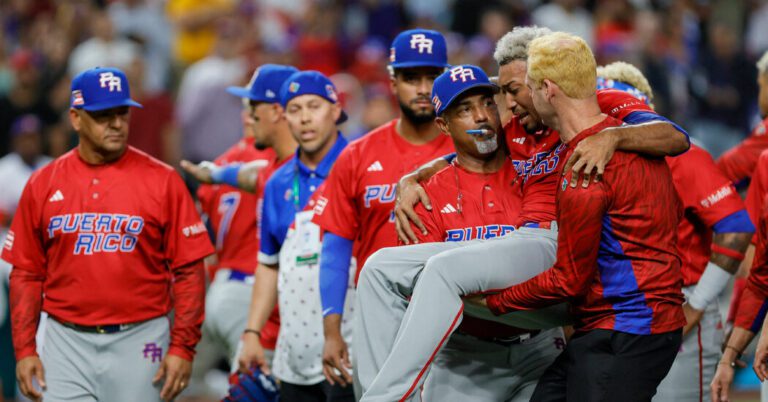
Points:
(616, 258)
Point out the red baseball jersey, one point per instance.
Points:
(707, 197)
(360, 190)
(109, 243)
(470, 206)
(754, 300)
(739, 162)
(617, 259)
(232, 212)
(537, 156)
(758, 189)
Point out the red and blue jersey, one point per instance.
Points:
(708, 197)
(359, 195)
(232, 212)
(537, 156)
(617, 260)
(739, 162)
(468, 206)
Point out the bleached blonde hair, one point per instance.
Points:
(566, 60)
(628, 74)
(762, 64)
(514, 45)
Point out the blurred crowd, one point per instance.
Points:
(698, 54)
(180, 55)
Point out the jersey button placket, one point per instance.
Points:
(94, 190)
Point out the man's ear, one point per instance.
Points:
(549, 89)
(442, 124)
(277, 113)
(74, 119)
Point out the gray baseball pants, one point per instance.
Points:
(392, 360)
(696, 362)
(88, 367)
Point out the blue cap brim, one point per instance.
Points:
(414, 64)
(111, 104)
(240, 92)
(493, 87)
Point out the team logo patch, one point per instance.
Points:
(288, 194)
(331, 93)
(294, 87)
(421, 43)
(462, 73)
(77, 98)
(109, 80)
(152, 351)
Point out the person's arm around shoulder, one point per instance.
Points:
(409, 193)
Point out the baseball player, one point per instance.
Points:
(291, 244)
(232, 212)
(739, 162)
(616, 260)
(112, 237)
(478, 198)
(384, 291)
(360, 191)
(397, 268)
(750, 317)
(712, 238)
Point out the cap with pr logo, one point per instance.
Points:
(101, 88)
(265, 83)
(418, 48)
(310, 83)
(452, 83)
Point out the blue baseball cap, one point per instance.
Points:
(101, 88)
(455, 81)
(265, 83)
(310, 83)
(418, 48)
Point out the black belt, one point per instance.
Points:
(99, 329)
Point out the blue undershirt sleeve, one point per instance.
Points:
(334, 272)
(737, 222)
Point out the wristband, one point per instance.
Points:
(711, 284)
(727, 252)
(226, 174)
(252, 331)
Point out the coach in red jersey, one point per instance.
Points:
(617, 262)
(112, 237)
(360, 190)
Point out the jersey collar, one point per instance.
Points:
(324, 167)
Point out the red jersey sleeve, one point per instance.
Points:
(186, 238)
(340, 215)
(754, 300)
(620, 104)
(738, 163)
(23, 246)
(702, 188)
(580, 223)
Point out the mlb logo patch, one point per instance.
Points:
(391, 55)
(293, 87)
(331, 93)
(565, 183)
(77, 98)
(288, 194)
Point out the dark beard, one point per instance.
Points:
(413, 117)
